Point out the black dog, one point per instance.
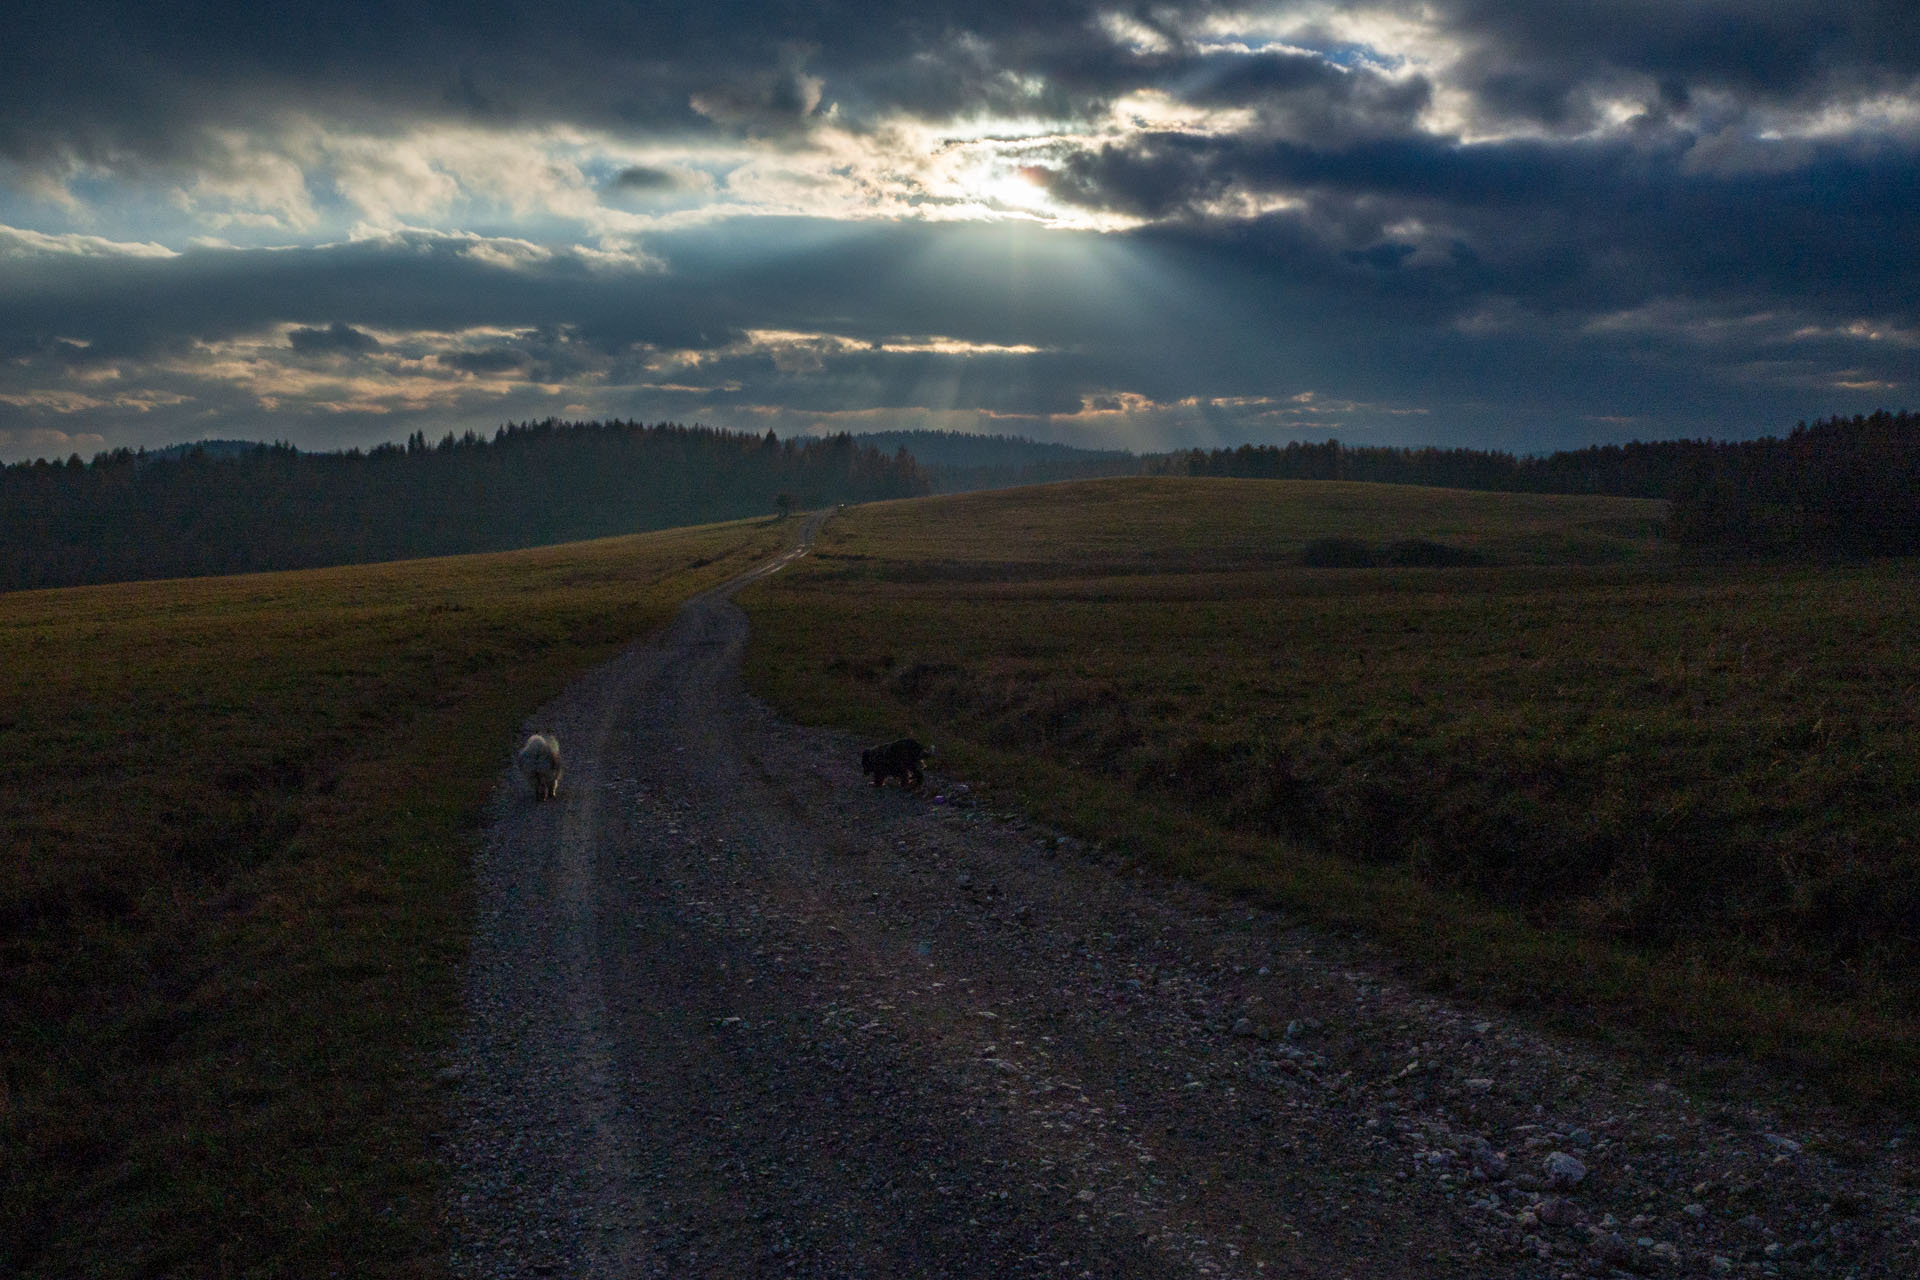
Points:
(900, 760)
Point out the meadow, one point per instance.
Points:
(236, 818)
(1534, 753)
(1531, 752)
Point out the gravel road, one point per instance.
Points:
(735, 1013)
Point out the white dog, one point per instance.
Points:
(540, 761)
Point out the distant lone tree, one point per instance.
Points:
(784, 501)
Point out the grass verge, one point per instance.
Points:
(235, 822)
(1543, 759)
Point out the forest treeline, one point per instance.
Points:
(1842, 485)
(1623, 470)
(128, 515)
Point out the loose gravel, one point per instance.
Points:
(734, 1012)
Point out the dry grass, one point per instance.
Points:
(1673, 801)
(233, 850)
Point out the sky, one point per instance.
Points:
(1514, 224)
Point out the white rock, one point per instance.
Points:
(1564, 1172)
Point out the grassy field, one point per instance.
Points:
(1664, 801)
(235, 819)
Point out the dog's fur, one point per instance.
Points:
(540, 761)
(901, 759)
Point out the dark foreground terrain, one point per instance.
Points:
(733, 1012)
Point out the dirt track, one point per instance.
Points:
(735, 1013)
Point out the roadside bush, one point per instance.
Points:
(1337, 553)
(1418, 553)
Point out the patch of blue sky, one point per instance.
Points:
(1348, 54)
(96, 207)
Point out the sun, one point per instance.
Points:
(1020, 187)
(1008, 183)
(988, 170)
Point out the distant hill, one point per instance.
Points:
(1840, 486)
(214, 507)
(959, 462)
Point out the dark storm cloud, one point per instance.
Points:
(1384, 257)
(1175, 315)
(1301, 95)
(335, 339)
(140, 306)
(1235, 78)
(772, 102)
(1148, 179)
(717, 282)
(492, 360)
(1652, 250)
(1345, 135)
(643, 178)
(1110, 304)
(1539, 61)
(127, 82)
(1591, 226)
